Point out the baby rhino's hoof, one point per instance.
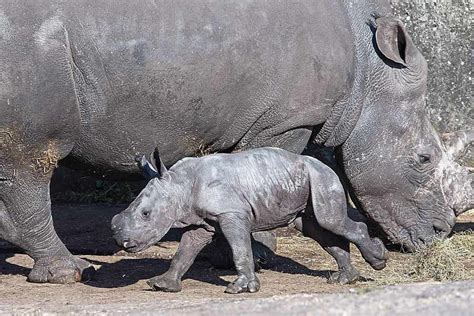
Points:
(376, 254)
(164, 284)
(241, 286)
(344, 276)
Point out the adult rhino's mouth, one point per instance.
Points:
(418, 237)
(411, 233)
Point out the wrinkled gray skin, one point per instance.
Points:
(218, 252)
(236, 194)
(93, 83)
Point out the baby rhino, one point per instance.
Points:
(236, 194)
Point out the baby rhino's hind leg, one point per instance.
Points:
(335, 245)
(330, 210)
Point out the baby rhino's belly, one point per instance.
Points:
(278, 208)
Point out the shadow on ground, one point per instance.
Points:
(9, 268)
(133, 270)
(92, 237)
(463, 227)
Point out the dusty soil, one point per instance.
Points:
(300, 268)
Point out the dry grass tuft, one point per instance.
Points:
(203, 150)
(445, 260)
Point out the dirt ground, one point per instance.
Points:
(301, 267)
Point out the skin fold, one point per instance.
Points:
(236, 194)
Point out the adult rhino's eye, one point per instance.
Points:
(424, 158)
(146, 213)
(4, 180)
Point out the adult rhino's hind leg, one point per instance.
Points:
(219, 253)
(336, 246)
(27, 223)
(330, 210)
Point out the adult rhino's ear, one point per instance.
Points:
(393, 41)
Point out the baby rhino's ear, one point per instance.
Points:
(148, 170)
(153, 168)
(159, 165)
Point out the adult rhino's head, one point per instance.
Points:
(402, 174)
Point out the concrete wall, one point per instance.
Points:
(442, 31)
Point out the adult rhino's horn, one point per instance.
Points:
(147, 168)
(457, 142)
(466, 197)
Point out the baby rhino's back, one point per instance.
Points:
(273, 183)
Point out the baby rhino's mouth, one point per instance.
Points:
(131, 246)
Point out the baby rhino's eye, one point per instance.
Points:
(146, 213)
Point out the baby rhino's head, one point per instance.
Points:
(151, 214)
(148, 218)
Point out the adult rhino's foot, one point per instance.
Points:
(264, 245)
(165, 284)
(61, 269)
(348, 275)
(219, 254)
(242, 284)
(376, 254)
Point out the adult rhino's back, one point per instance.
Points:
(202, 74)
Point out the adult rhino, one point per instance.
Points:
(92, 83)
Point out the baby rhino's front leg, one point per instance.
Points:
(191, 244)
(236, 228)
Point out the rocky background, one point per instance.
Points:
(441, 29)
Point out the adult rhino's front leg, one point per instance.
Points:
(26, 222)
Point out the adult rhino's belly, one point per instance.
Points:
(206, 84)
